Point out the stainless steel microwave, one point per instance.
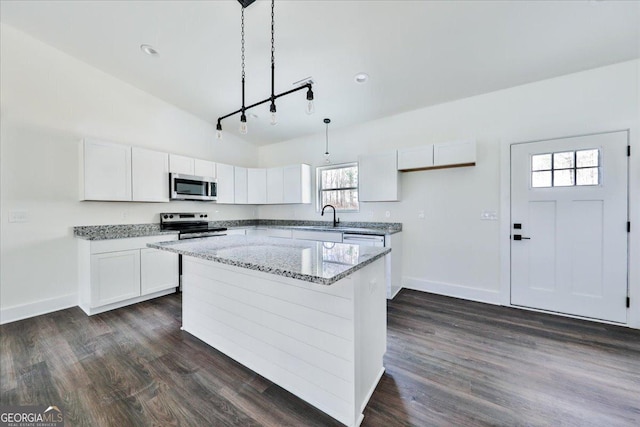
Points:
(190, 187)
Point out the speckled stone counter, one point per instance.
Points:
(317, 262)
(375, 228)
(125, 231)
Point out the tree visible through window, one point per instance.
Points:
(338, 186)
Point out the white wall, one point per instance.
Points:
(452, 251)
(49, 101)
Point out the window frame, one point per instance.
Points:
(575, 168)
(319, 190)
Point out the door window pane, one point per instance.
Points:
(565, 169)
(540, 162)
(587, 176)
(586, 158)
(541, 179)
(563, 178)
(563, 160)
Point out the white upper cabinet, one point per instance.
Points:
(297, 184)
(256, 186)
(181, 164)
(106, 170)
(275, 185)
(204, 168)
(150, 175)
(226, 186)
(440, 155)
(378, 177)
(240, 185)
(455, 153)
(415, 158)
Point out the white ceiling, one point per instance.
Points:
(418, 53)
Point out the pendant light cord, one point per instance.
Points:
(242, 55)
(273, 59)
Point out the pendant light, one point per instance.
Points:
(309, 109)
(327, 160)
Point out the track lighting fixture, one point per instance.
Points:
(308, 84)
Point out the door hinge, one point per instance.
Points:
(628, 302)
(628, 226)
(628, 151)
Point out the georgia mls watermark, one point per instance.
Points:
(31, 416)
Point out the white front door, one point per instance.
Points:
(569, 225)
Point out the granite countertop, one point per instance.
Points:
(125, 231)
(317, 262)
(376, 228)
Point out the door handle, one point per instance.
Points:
(519, 237)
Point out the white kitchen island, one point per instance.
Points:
(309, 316)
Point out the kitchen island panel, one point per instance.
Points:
(333, 300)
(251, 319)
(338, 374)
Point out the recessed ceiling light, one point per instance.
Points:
(361, 78)
(149, 50)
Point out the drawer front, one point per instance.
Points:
(115, 245)
(320, 236)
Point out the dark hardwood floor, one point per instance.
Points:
(449, 363)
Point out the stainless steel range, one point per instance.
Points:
(189, 226)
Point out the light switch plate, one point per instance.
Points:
(18, 216)
(488, 215)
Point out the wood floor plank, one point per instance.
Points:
(449, 362)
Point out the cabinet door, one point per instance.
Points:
(158, 270)
(256, 186)
(297, 184)
(107, 171)
(240, 185)
(115, 276)
(275, 185)
(204, 168)
(414, 158)
(150, 175)
(226, 185)
(378, 177)
(181, 164)
(455, 153)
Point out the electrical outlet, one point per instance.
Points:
(421, 214)
(387, 214)
(125, 214)
(18, 216)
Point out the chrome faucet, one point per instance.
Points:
(335, 221)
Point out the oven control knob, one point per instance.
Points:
(201, 216)
(205, 215)
(166, 216)
(170, 216)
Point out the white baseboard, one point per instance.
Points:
(24, 311)
(452, 290)
(91, 311)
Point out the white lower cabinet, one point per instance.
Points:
(115, 276)
(158, 270)
(119, 272)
